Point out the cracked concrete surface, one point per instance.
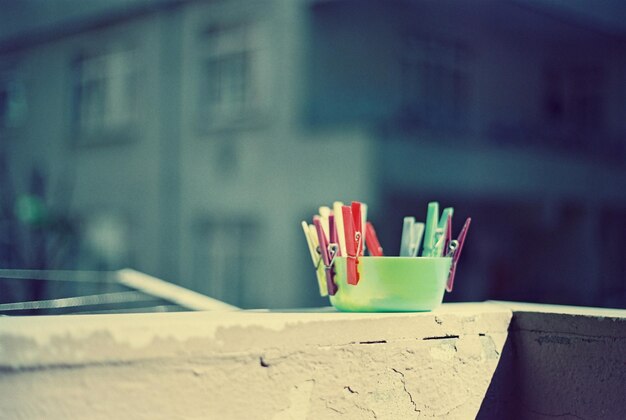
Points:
(252, 365)
(417, 410)
(555, 362)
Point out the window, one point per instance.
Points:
(231, 67)
(435, 83)
(104, 96)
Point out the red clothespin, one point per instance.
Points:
(353, 233)
(456, 246)
(328, 252)
(373, 245)
(358, 227)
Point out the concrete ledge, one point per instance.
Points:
(461, 361)
(252, 364)
(560, 361)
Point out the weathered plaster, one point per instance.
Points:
(252, 364)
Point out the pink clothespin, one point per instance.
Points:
(334, 237)
(456, 246)
(328, 252)
(371, 238)
(353, 233)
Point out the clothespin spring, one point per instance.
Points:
(357, 240)
(452, 248)
(332, 250)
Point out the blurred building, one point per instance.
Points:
(188, 138)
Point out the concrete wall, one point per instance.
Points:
(460, 361)
(561, 362)
(238, 365)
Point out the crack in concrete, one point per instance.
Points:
(350, 389)
(554, 415)
(402, 340)
(7, 370)
(441, 337)
(326, 404)
(553, 339)
(417, 410)
(570, 334)
(369, 410)
(441, 415)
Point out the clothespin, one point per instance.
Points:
(432, 222)
(441, 232)
(418, 233)
(357, 216)
(316, 258)
(328, 251)
(320, 266)
(364, 226)
(353, 236)
(439, 245)
(372, 241)
(411, 237)
(324, 213)
(339, 223)
(334, 237)
(448, 235)
(407, 234)
(456, 246)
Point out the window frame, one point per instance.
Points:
(251, 44)
(104, 131)
(436, 83)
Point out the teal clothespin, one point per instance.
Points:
(441, 231)
(418, 233)
(407, 234)
(412, 233)
(432, 223)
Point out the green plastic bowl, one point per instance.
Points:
(392, 284)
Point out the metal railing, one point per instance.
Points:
(81, 292)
